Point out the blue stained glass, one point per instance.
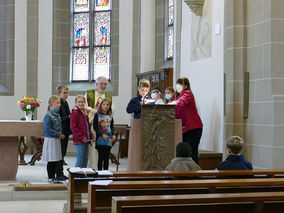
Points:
(102, 28)
(81, 30)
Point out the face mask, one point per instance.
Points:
(168, 96)
(153, 95)
(56, 110)
(179, 88)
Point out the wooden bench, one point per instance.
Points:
(195, 203)
(212, 185)
(79, 184)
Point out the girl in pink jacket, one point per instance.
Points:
(82, 134)
(187, 112)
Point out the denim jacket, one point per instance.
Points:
(52, 125)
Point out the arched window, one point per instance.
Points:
(91, 44)
(170, 30)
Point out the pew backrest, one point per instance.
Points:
(169, 200)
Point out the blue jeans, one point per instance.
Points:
(82, 155)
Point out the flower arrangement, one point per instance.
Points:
(29, 104)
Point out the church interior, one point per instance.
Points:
(230, 50)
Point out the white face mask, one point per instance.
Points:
(179, 88)
(153, 95)
(168, 96)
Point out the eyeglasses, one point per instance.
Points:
(103, 84)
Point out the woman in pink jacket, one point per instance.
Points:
(82, 134)
(187, 112)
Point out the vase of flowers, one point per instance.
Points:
(28, 105)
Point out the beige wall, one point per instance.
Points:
(206, 77)
(254, 43)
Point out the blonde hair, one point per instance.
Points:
(235, 144)
(144, 83)
(51, 101)
(109, 112)
(60, 88)
(79, 97)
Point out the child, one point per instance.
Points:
(135, 103)
(82, 134)
(103, 125)
(64, 113)
(235, 160)
(157, 96)
(51, 151)
(183, 160)
(170, 95)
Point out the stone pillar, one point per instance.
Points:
(148, 31)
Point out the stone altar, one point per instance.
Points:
(10, 130)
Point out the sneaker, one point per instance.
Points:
(56, 181)
(61, 178)
(50, 180)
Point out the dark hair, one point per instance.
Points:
(184, 81)
(157, 90)
(183, 150)
(172, 90)
(109, 112)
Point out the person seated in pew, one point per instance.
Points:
(235, 160)
(183, 160)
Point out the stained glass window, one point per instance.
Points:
(91, 44)
(171, 12)
(102, 5)
(101, 62)
(102, 28)
(170, 31)
(81, 5)
(170, 41)
(81, 30)
(80, 64)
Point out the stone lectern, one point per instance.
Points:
(9, 143)
(153, 138)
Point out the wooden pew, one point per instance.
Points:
(211, 184)
(156, 203)
(79, 184)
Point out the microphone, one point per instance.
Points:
(143, 98)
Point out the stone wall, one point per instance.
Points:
(254, 44)
(7, 25)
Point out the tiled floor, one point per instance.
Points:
(38, 174)
(37, 202)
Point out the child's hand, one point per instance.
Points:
(62, 136)
(105, 137)
(145, 102)
(84, 140)
(113, 139)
